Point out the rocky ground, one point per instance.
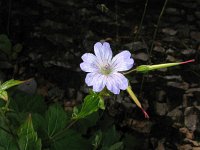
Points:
(55, 34)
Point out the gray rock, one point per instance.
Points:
(29, 87)
(161, 108)
(175, 114)
(160, 95)
(195, 36)
(188, 52)
(169, 31)
(179, 85)
(197, 14)
(135, 46)
(191, 118)
(141, 56)
(171, 58)
(172, 11)
(159, 49)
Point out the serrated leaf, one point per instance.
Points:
(5, 44)
(28, 139)
(4, 95)
(92, 103)
(110, 137)
(23, 102)
(71, 141)
(56, 119)
(7, 141)
(10, 83)
(84, 124)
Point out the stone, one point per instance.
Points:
(161, 108)
(195, 36)
(169, 31)
(191, 119)
(178, 85)
(159, 49)
(188, 52)
(29, 86)
(141, 56)
(175, 114)
(172, 11)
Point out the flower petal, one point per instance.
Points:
(112, 85)
(89, 57)
(96, 80)
(121, 80)
(103, 52)
(89, 67)
(122, 61)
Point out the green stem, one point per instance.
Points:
(133, 70)
(141, 22)
(156, 30)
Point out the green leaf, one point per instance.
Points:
(5, 44)
(117, 146)
(7, 141)
(56, 120)
(4, 95)
(91, 104)
(97, 140)
(10, 83)
(23, 102)
(28, 139)
(71, 141)
(84, 124)
(110, 137)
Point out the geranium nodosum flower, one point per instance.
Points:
(103, 70)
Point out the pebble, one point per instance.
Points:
(141, 56)
(169, 31)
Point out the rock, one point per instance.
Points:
(182, 85)
(172, 11)
(161, 108)
(161, 145)
(170, 51)
(188, 134)
(159, 49)
(135, 46)
(195, 36)
(139, 126)
(191, 90)
(176, 114)
(171, 58)
(141, 56)
(197, 14)
(191, 118)
(193, 143)
(79, 96)
(29, 87)
(173, 77)
(185, 147)
(160, 96)
(188, 52)
(169, 31)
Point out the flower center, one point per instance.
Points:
(106, 69)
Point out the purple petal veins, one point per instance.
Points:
(103, 70)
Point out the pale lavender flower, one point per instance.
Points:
(103, 70)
